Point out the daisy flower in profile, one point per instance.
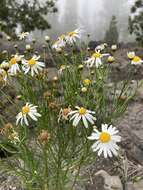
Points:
(3, 75)
(22, 35)
(82, 114)
(131, 55)
(106, 141)
(14, 64)
(62, 68)
(29, 110)
(60, 43)
(95, 59)
(136, 60)
(32, 65)
(71, 37)
(101, 47)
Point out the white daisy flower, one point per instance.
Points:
(136, 60)
(32, 65)
(95, 59)
(60, 43)
(14, 64)
(101, 47)
(22, 35)
(3, 75)
(29, 110)
(71, 37)
(82, 114)
(106, 141)
(131, 55)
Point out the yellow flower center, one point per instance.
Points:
(62, 37)
(25, 109)
(105, 137)
(31, 62)
(71, 34)
(86, 82)
(82, 111)
(97, 55)
(13, 61)
(136, 59)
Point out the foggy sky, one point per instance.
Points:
(93, 16)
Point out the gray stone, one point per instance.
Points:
(110, 182)
(131, 129)
(138, 185)
(129, 186)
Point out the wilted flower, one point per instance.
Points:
(105, 140)
(95, 59)
(53, 105)
(6, 129)
(32, 65)
(23, 35)
(14, 137)
(63, 114)
(29, 110)
(44, 137)
(47, 94)
(82, 114)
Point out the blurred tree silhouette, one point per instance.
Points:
(27, 15)
(136, 21)
(111, 36)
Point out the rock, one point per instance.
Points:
(129, 186)
(134, 186)
(138, 185)
(108, 182)
(131, 129)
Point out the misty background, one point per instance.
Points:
(92, 16)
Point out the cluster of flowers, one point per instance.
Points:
(105, 140)
(17, 64)
(69, 38)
